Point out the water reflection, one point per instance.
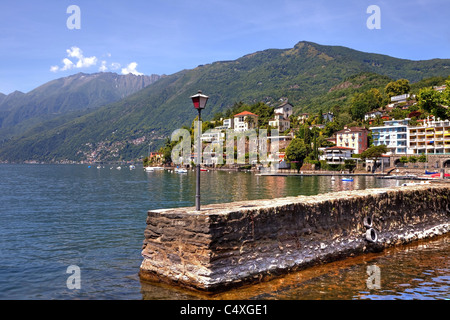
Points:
(415, 271)
(169, 189)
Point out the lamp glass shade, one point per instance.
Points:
(199, 100)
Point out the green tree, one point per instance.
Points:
(396, 88)
(297, 152)
(365, 102)
(374, 153)
(404, 159)
(432, 101)
(422, 158)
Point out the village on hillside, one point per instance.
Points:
(409, 131)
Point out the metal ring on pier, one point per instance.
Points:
(371, 235)
(368, 222)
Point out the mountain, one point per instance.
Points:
(80, 92)
(311, 76)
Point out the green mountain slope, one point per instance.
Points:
(20, 112)
(309, 75)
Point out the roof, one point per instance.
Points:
(245, 113)
(352, 129)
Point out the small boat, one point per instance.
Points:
(149, 169)
(347, 179)
(119, 168)
(438, 175)
(202, 169)
(181, 170)
(132, 167)
(428, 172)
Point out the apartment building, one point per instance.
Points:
(353, 137)
(431, 137)
(394, 135)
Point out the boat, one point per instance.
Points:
(181, 170)
(119, 168)
(438, 175)
(347, 179)
(132, 167)
(149, 169)
(202, 169)
(428, 172)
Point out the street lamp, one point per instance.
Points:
(199, 100)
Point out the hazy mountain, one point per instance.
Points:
(80, 92)
(311, 76)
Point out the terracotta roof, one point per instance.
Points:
(245, 113)
(352, 129)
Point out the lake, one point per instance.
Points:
(57, 216)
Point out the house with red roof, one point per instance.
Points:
(245, 121)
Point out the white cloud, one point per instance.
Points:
(76, 60)
(103, 67)
(67, 64)
(131, 68)
(82, 61)
(115, 66)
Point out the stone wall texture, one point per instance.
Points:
(226, 245)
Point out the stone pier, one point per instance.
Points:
(226, 245)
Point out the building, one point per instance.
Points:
(432, 137)
(286, 110)
(440, 88)
(303, 117)
(354, 137)
(400, 99)
(337, 155)
(228, 123)
(394, 135)
(281, 119)
(373, 114)
(281, 123)
(245, 121)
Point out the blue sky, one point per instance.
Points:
(166, 36)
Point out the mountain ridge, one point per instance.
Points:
(303, 74)
(20, 111)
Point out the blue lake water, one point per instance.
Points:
(56, 216)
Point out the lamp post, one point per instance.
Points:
(199, 100)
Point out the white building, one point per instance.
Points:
(280, 122)
(337, 155)
(285, 110)
(245, 121)
(432, 137)
(394, 135)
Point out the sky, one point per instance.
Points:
(44, 40)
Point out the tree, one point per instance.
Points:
(297, 152)
(422, 158)
(365, 102)
(432, 101)
(396, 88)
(374, 153)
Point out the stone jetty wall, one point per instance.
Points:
(230, 244)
